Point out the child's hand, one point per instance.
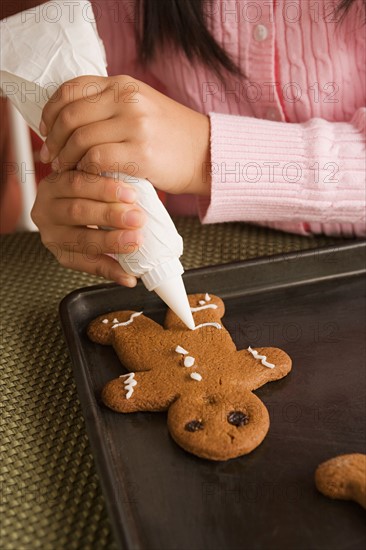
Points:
(68, 202)
(109, 124)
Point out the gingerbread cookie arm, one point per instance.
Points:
(262, 365)
(138, 391)
(101, 330)
(343, 477)
(137, 340)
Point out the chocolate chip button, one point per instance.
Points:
(237, 418)
(193, 426)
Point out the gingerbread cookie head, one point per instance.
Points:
(206, 308)
(198, 375)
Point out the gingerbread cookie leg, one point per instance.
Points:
(343, 477)
(138, 391)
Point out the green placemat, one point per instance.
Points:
(50, 493)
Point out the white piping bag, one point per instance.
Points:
(43, 47)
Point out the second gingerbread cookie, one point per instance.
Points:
(199, 376)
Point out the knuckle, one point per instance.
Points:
(63, 92)
(75, 211)
(94, 156)
(66, 92)
(65, 117)
(78, 137)
(108, 216)
(101, 271)
(127, 86)
(36, 214)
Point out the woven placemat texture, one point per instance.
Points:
(50, 493)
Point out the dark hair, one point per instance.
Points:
(344, 6)
(182, 23)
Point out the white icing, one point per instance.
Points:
(136, 314)
(105, 321)
(188, 361)
(196, 376)
(217, 325)
(115, 320)
(207, 306)
(201, 302)
(207, 297)
(261, 357)
(129, 383)
(179, 349)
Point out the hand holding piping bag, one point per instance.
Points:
(102, 124)
(73, 141)
(88, 127)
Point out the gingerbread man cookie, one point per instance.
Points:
(199, 376)
(343, 477)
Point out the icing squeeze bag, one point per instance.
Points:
(43, 47)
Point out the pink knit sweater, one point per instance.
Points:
(287, 143)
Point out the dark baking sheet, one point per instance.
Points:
(159, 497)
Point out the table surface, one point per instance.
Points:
(50, 492)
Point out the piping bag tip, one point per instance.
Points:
(173, 293)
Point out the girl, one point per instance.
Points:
(246, 111)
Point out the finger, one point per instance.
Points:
(78, 184)
(72, 90)
(87, 136)
(93, 242)
(102, 158)
(73, 119)
(104, 266)
(81, 212)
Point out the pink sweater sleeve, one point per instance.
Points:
(304, 177)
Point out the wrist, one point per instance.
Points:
(204, 184)
(201, 184)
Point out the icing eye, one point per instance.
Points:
(237, 418)
(194, 426)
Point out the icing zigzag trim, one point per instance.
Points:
(262, 358)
